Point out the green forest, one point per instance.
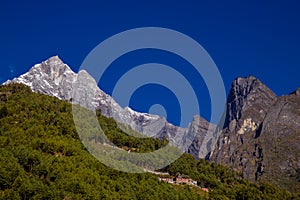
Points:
(42, 157)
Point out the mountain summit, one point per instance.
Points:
(53, 77)
(261, 135)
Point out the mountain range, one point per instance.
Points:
(260, 138)
(55, 78)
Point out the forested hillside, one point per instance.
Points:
(41, 157)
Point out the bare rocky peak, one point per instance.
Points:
(261, 136)
(247, 105)
(248, 96)
(53, 77)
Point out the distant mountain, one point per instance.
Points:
(53, 77)
(261, 135)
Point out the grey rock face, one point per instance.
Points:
(261, 136)
(281, 136)
(203, 133)
(247, 105)
(248, 96)
(53, 77)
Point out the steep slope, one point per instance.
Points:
(54, 78)
(261, 135)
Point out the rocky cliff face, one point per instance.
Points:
(261, 135)
(53, 77)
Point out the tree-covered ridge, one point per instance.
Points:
(41, 157)
(121, 139)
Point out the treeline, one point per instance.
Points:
(42, 157)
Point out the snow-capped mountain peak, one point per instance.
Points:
(54, 78)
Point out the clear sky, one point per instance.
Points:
(260, 38)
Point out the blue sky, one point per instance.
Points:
(242, 37)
